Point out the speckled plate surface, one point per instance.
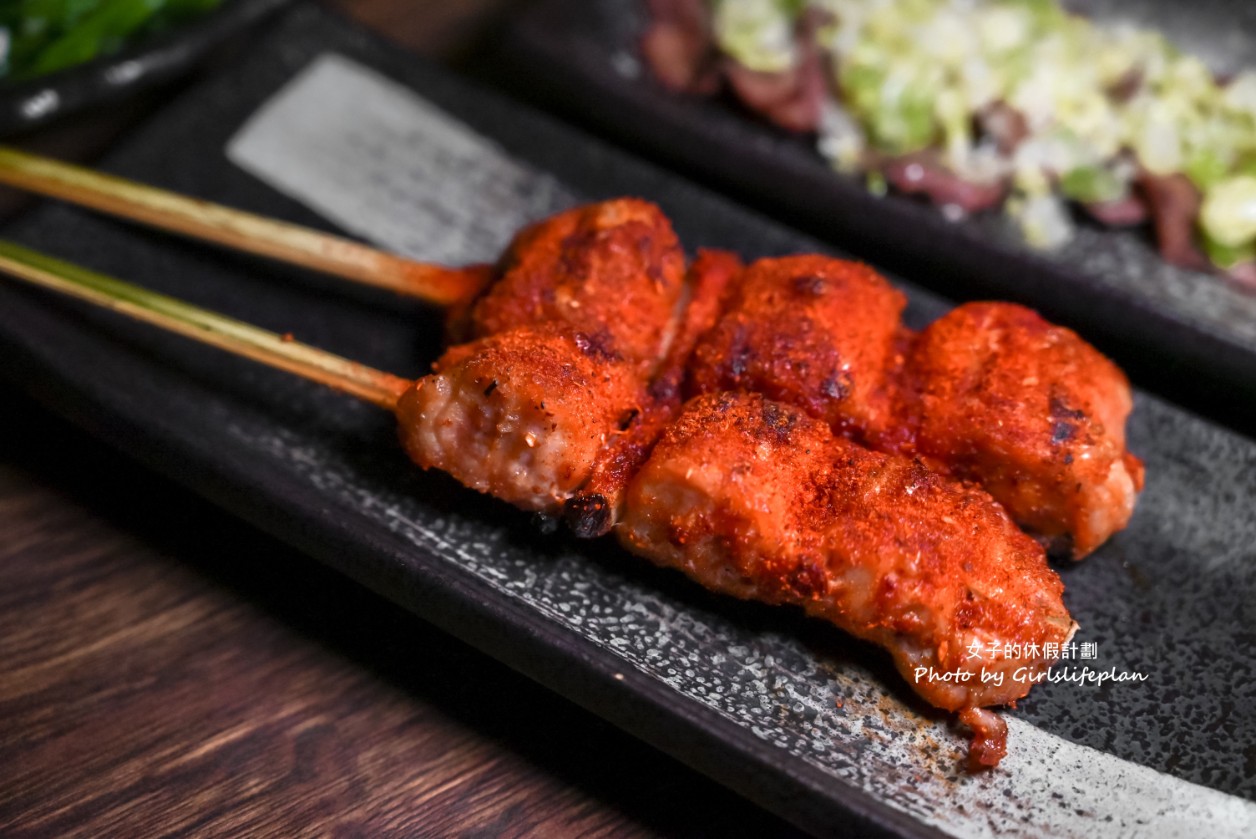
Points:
(30, 103)
(788, 711)
(1192, 332)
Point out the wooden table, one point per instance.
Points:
(160, 673)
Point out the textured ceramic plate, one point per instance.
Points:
(1187, 329)
(789, 712)
(27, 104)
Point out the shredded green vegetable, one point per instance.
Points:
(1099, 103)
(38, 37)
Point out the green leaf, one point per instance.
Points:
(56, 34)
(1205, 169)
(1091, 185)
(1226, 257)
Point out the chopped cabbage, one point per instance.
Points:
(913, 74)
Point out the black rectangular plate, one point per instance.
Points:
(787, 711)
(1179, 332)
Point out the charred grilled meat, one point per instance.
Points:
(1031, 412)
(756, 499)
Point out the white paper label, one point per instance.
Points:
(383, 163)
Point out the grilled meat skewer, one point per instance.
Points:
(814, 332)
(1032, 413)
(755, 499)
(990, 392)
(575, 365)
(750, 497)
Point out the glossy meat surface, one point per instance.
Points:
(521, 415)
(613, 270)
(753, 498)
(1031, 412)
(812, 331)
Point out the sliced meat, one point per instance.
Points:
(1129, 211)
(679, 47)
(1174, 202)
(1004, 124)
(924, 173)
(792, 99)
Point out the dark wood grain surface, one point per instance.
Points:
(167, 670)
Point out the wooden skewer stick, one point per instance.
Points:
(336, 255)
(366, 383)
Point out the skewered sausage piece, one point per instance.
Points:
(613, 270)
(522, 415)
(755, 499)
(813, 331)
(1031, 412)
(990, 393)
(563, 348)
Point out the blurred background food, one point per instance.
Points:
(38, 37)
(976, 104)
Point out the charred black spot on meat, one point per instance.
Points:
(488, 391)
(778, 421)
(628, 419)
(597, 345)
(739, 353)
(1061, 410)
(836, 386)
(1062, 432)
(1063, 421)
(588, 515)
(726, 402)
(646, 245)
(808, 577)
(809, 285)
